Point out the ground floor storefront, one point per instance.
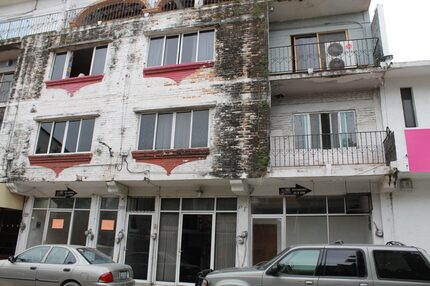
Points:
(169, 235)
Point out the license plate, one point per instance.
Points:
(124, 275)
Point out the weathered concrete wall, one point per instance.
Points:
(236, 88)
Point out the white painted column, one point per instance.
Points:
(120, 235)
(93, 221)
(243, 244)
(21, 243)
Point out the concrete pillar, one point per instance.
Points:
(243, 231)
(21, 243)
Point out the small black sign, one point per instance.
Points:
(298, 191)
(68, 193)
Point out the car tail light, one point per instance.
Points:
(106, 278)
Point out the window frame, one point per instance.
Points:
(413, 106)
(68, 253)
(173, 127)
(69, 58)
(66, 129)
(179, 52)
(308, 137)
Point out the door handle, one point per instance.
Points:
(308, 282)
(33, 268)
(66, 269)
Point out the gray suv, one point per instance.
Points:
(332, 265)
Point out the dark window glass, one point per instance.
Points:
(109, 203)
(266, 205)
(306, 205)
(146, 134)
(99, 60)
(141, 204)
(70, 259)
(57, 137)
(336, 205)
(44, 135)
(344, 263)
(325, 130)
(182, 130)
(401, 265)
(197, 204)
(81, 62)
(206, 46)
(61, 203)
(106, 236)
(2, 110)
(408, 107)
(83, 203)
(58, 69)
(40, 203)
(57, 255)
(155, 54)
(358, 203)
(80, 225)
(33, 255)
(225, 240)
(227, 204)
(164, 131)
(72, 136)
(86, 136)
(189, 48)
(170, 204)
(200, 128)
(171, 50)
(300, 262)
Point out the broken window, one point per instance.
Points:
(174, 130)
(82, 62)
(65, 136)
(182, 49)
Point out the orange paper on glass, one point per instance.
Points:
(57, 223)
(108, 224)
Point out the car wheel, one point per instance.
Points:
(71, 283)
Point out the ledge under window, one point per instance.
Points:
(71, 85)
(170, 159)
(59, 162)
(177, 72)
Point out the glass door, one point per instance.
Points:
(196, 241)
(58, 227)
(306, 52)
(267, 239)
(138, 244)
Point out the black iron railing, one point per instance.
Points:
(324, 56)
(5, 87)
(322, 149)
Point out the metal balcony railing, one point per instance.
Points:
(5, 87)
(325, 56)
(322, 149)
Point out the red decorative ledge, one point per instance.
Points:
(71, 85)
(176, 72)
(170, 159)
(58, 163)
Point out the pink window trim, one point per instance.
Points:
(71, 85)
(176, 72)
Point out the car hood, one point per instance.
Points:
(234, 269)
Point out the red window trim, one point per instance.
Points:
(73, 84)
(170, 159)
(176, 72)
(59, 162)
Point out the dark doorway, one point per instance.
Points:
(9, 228)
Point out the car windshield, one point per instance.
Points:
(266, 264)
(93, 256)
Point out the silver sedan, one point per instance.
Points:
(63, 266)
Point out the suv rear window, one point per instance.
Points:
(344, 263)
(401, 265)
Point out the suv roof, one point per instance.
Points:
(361, 246)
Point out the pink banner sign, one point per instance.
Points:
(418, 146)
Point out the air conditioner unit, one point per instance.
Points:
(340, 55)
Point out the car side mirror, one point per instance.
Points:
(274, 270)
(11, 259)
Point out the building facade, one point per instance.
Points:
(182, 135)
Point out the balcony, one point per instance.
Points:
(5, 87)
(325, 56)
(358, 148)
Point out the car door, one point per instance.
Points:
(23, 271)
(58, 266)
(344, 267)
(297, 268)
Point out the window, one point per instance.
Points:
(300, 262)
(325, 130)
(408, 107)
(93, 256)
(5, 86)
(174, 130)
(34, 255)
(401, 265)
(107, 225)
(89, 61)
(344, 263)
(2, 110)
(65, 136)
(181, 49)
(59, 255)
